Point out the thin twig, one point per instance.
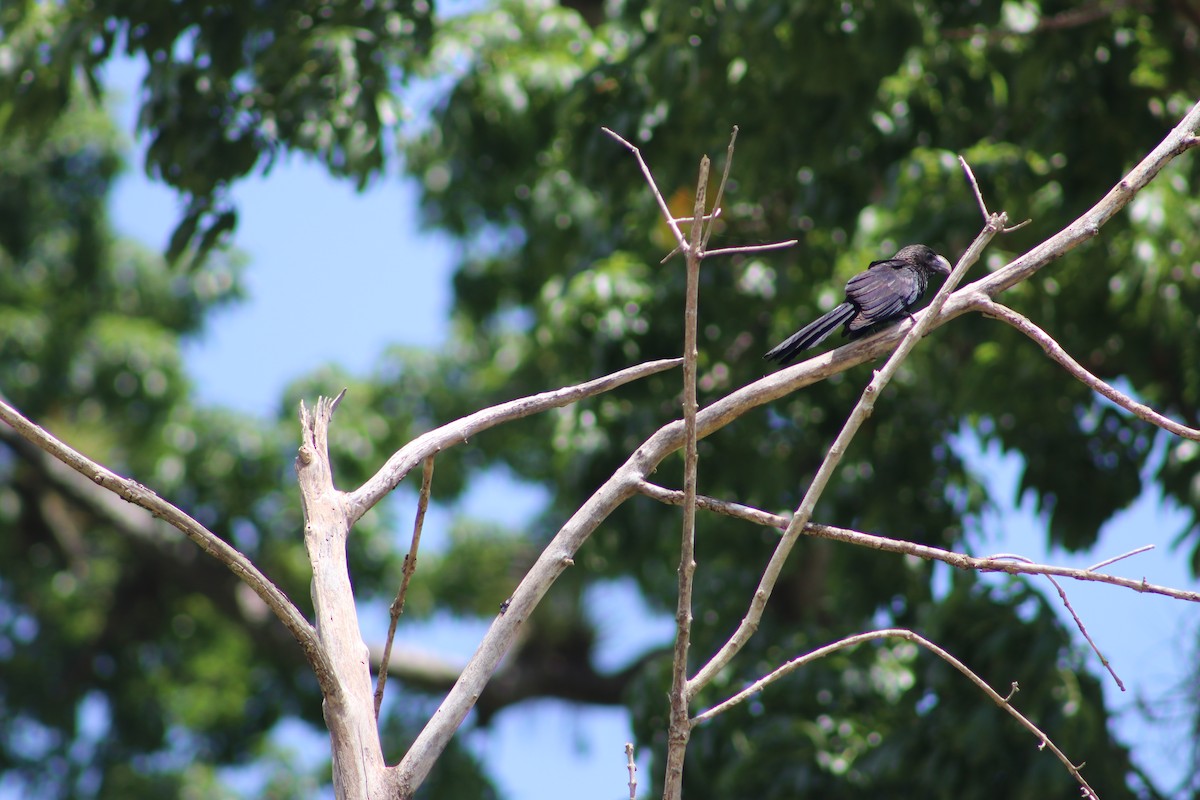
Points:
(675, 497)
(1070, 609)
(362, 499)
(749, 248)
(900, 546)
(983, 209)
(1121, 557)
(681, 243)
(662, 203)
(714, 214)
(410, 566)
(990, 308)
(899, 633)
(858, 416)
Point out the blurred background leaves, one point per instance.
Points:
(134, 666)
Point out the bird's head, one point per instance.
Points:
(924, 258)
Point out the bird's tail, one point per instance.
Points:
(811, 334)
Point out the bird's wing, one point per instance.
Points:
(883, 292)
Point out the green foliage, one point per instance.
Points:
(230, 85)
(134, 666)
(850, 117)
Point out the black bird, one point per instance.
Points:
(883, 292)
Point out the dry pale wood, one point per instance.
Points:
(990, 308)
(871, 541)
(349, 709)
(362, 499)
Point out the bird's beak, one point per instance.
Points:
(941, 266)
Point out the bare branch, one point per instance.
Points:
(139, 495)
(401, 463)
(410, 566)
(716, 214)
(1180, 139)
(679, 730)
(903, 547)
(979, 199)
(662, 204)
(966, 562)
(990, 308)
(975, 188)
(1062, 595)
(899, 633)
(631, 766)
(675, 498)
(681, 242)
(750, 248)
(1121, 557)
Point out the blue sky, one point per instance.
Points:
(337, 276)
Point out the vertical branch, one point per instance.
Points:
(680, 728)
(410, 566)
(631, 767)
(358, 769)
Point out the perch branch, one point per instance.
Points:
(899, 633)
(401, 463)
(990, 308)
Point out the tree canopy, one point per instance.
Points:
(850, 115)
